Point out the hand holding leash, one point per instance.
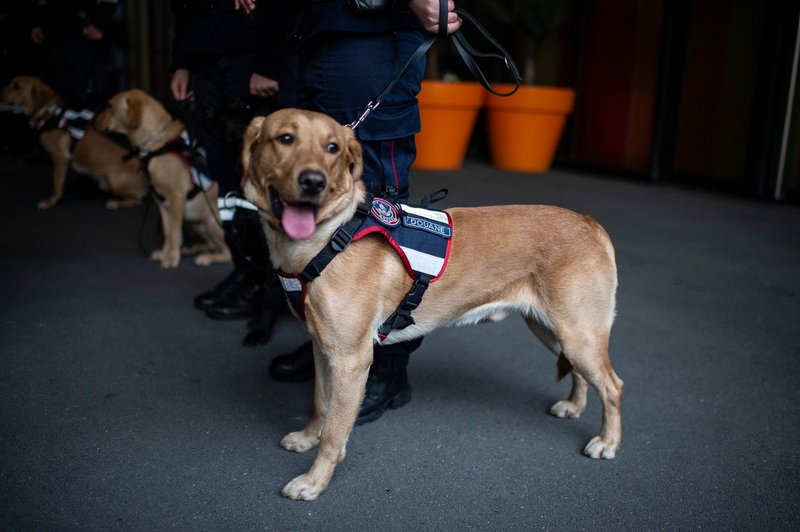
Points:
(448, 24)
(429, 13)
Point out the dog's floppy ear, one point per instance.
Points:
(41, 94)
(355, 161)
(134, 106)
(251, 135)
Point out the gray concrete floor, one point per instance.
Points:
(125, 408)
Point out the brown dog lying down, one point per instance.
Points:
(556, 268)
(150, 127)
(94, 154)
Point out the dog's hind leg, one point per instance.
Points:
(128, 186)
(574, 405)
(588, 355)
(56, 143)
(544, 334)
(342, 388)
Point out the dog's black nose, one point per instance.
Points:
(311, 182)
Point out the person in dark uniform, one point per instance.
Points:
(226, 61)
(347, 59)
(80, 34)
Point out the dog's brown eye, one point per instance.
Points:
(332, 147)
(286, 138)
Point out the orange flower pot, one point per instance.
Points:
(447, 111)
(525, 128)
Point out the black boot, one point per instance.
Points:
(386, 389)
(242, 303)
(222, 290)
(260, 327)
(297, 366)
(245, 239)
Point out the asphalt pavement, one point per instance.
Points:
(125, 408)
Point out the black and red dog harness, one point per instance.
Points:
(194, 157)
(420, 236)
(73, 122)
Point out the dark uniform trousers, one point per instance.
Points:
(339, 75)
(218, 82)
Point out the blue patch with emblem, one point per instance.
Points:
(384, 212)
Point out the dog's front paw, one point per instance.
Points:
(599, 448)
(204, 259)
(565, 409)
(167, 259)
(303, 488)
(46, 204)
(113, 204)
(299, 442)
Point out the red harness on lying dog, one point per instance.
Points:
(421, 237)
(194, 157)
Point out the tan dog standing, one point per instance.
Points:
(149, 127)
(556, 268)
(93, 155)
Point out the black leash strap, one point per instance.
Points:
(467, 52)
(468, 55)
(375, 102)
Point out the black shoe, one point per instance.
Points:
(239, 304)
(386, 388)
(228, 285)
(259, 329)
(297, 366)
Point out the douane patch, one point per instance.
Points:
(426, 224)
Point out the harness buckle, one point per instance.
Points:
(401, 317)
(414, 296)
(364, 207)
(341, 239)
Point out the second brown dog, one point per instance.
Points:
(149, 127)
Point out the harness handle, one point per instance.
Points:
(433, 197)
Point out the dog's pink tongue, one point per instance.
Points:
(298, 221)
